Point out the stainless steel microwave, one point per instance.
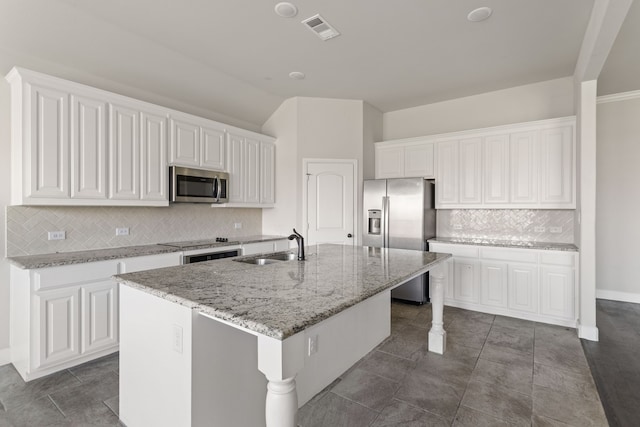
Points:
(189, 185)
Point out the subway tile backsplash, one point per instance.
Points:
(507, 224)
(95, 227)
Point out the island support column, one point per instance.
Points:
(437, 334)
(280, 361)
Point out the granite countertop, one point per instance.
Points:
(68, 258)
(507, 243)
(283, 298)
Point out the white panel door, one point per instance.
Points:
(494, 278)
(153, 137)
(557, 292)
(496, 169)
(267, 172)
(124, 153)
(99, 315)
(59, 325)
(235, 167)
(523, 168)
(213, 148)
(389, 162)
(447, 172)
(49, 143)
(466, 283)
(331, 202)
(88, 148)
(252, 171)
(419, 160)
(185, 143)
(557, 167)
(470, 171)
(523, 287)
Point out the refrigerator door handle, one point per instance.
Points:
(385, 221)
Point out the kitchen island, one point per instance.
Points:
(195, 338)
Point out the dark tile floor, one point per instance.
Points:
(497, 371)
(614, 361)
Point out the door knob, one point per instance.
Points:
(349, 235)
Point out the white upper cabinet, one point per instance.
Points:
(153, 140)
(124, 153)
(252, 171)
(235, 167)
(267, 171)
(88, 148)
(197, 142)
(557, 166)
(496, 169)
(395, 159)
(470, 171)
(527, 165)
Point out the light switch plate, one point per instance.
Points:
(177, 338)
(57, 235)
(313, 345)
(555, 229)
(237, 225)
(124, 231)
(539, 229)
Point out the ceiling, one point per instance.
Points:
(234, 56)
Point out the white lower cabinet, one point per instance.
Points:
(538, 285)
(67, 315)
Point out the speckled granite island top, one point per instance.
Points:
(286, 297)
(68, 258)
(507, 243)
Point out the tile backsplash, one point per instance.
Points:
(95, 227)
(507, 224)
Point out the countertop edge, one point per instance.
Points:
(543, 246)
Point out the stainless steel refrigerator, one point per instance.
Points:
(400, 213)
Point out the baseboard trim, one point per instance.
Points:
(5, 356)
(588, 332)
(618, 296)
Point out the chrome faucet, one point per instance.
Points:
(300, 242)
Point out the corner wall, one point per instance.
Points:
(618, 202)
(5, 199)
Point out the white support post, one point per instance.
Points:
(280, 361)
(437, 334)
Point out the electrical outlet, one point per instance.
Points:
(555, 229)
(539, 229)
(457, 227)
(57, 235)
(177, 339)
(124, 231)
(313, 345)
(237, 225)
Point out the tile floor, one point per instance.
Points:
(497, 371)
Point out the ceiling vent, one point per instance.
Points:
(320, 27)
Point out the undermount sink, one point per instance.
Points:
(269, 259)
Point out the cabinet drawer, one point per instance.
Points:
(455, 250)
(68, 275)
(516, 255)
(558, 258)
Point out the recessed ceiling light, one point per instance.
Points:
(297, 75)
(286, 9)
(479, 14)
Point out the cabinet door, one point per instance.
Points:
(419, 160)
(59, 326)
(99, 315)
(154, 157)
(465, 280)
(523, 287)
(185, 143)
(470, 171)
(557, 288)
(252, 171)
(267, 172)
(213, 148)
(557, 167)
(88, 148)
(496, 169)
(124, 153)
(235, 166)
(447, 170)
(49, 128)
(523, 168)
(389, 162)
(494, 278)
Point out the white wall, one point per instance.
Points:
(618, 202)
(537, 101)
(372, 132)
(5, 197)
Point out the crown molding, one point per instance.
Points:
(615, 97)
